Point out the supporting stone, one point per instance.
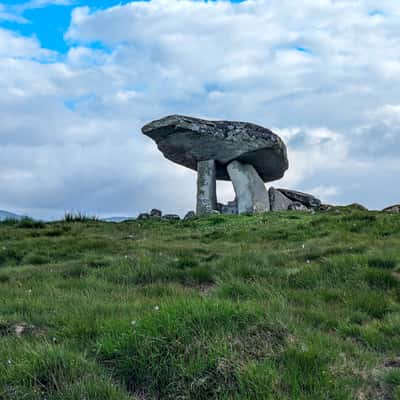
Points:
(251, 193)
(206, 187)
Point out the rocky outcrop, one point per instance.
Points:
(395, 209)
(155, 213)
(306, 199)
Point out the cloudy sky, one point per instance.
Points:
(77, 81)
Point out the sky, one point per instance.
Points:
(78, 79)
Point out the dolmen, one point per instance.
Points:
(241, 152)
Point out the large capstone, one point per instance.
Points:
(186, 141)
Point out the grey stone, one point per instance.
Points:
(251, 194)
(278, 201)
(171, 217)
(297, 206)
(155, 213)
(190, 215)
(230, 208)
(186, 141)
(395, 209)
(304, 198)
(206, 187)
(325, 207)
(143, 216)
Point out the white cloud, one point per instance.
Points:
(322, 73)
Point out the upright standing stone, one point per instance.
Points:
(206, 187)
(251, 194)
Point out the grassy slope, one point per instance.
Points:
(277, 306)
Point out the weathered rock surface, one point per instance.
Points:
(155, 213)
(230, 208)
(392, 209)
(171, 217)
(186, 141)
(251, 194)
(206, 187)
(189, 215)
(297, 206)
(278, 201)
(304, 198)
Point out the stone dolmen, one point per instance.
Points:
(244, 153)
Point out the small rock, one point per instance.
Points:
(325, 207)
(392, 209)
(171, 217)
(297, 206)
(143, 216)
(155, 213)
(190, 215)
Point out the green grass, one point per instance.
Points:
(275, 306)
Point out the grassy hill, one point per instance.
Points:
(276, 306)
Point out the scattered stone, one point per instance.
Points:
(306, 199)
(214, 147)
(171, 217)
(229, 208)
(189, 215)
(325, 207)
(155, 213)
(143, 216)
(392, 209)
(297, 206)
(278, 201)
(18, 329)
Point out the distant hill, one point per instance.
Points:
(8, 215)
(116, 219)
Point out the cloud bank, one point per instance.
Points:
(324, 74)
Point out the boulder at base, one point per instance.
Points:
(278, 201)
(392, 209)
(306, 199)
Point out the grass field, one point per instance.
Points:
(276, 306)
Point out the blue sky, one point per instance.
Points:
(77, 81)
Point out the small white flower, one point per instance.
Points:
(133, 323)
(126, 257)
(156, 308)
(303, 246)
(9, 362)
(54, 339)
(30, 291)
(308, 261)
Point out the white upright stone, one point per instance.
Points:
(251, 193)
(206, 187)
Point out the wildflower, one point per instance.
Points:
(308, 261)
(9, 362)
(30, 291)
(156, 308)
(303, 246)
(133, 323)
(54, 339)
